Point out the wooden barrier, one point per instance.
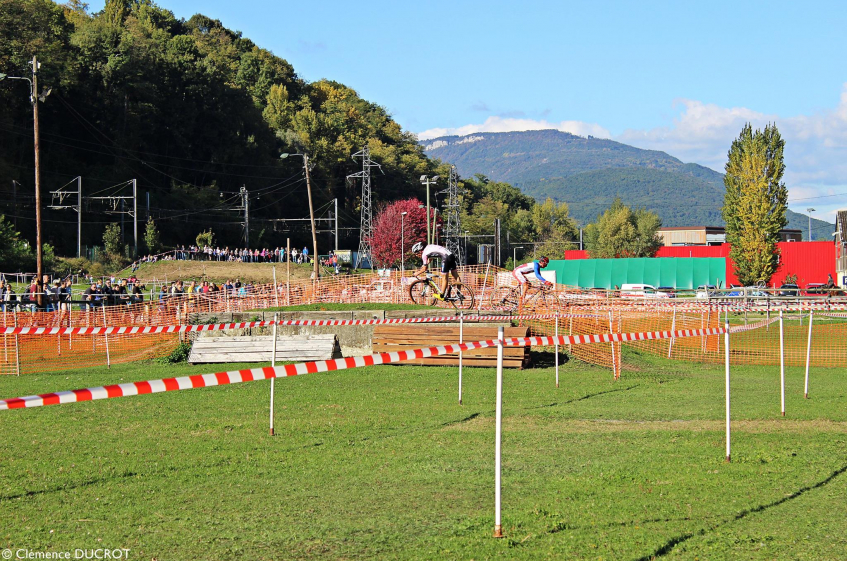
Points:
(391, 338)
(292, 348)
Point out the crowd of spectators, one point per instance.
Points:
(238, 255)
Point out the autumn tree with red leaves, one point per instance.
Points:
(386, 243)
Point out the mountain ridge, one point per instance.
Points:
(588, 173)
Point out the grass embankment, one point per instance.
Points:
(382, 462)
(219, 271)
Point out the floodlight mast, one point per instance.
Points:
(426, 180)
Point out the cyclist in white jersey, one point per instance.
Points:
(448, 264)
(521, 272)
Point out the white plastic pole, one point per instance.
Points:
(461, 340)
(498, 528)
(276, 292)
(17, 346)
(557, 349)
(612, 330)
(673, 328)
(726, 346)
(108, 359)
(809, 353)
(782, 362)
(273, 363)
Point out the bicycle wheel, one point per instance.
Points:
(540, 300)
(420, 291)
(503, 299)
(461, 296)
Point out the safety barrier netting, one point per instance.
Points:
(576, 311)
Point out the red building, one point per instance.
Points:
(810, 261)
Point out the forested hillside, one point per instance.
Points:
(588, 173)
(193, 111)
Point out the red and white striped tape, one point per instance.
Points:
(753, 326)
(154, 329)
(267, 372)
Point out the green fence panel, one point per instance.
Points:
(678, 272)
(667, 272)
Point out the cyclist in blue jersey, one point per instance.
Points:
(521, 274)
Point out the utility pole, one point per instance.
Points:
(39, 265)
(34, 98)
(366, 228)
(120, 200)
(497, 242)
(336, 224)
(316, 273)
(454, 227)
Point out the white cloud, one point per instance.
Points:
(815, 145)
(509, 124)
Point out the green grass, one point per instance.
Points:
(382, 462)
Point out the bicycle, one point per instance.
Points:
(423, 291)
(508, 298)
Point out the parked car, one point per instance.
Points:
(788, 290)
(816, 289)
(706, 291)
(748, 291)
(641, 291)
(669, 291)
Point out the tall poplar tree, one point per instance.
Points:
(755, 202)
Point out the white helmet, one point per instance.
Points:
(417, 247)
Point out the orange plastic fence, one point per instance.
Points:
(579, 313)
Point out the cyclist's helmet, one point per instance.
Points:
(543, 261)
(418, 247)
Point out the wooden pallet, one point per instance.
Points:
(391, 338)
(289, 348)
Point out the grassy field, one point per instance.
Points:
(383, 463)
(218, 271)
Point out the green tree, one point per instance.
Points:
(112, 239)
(205, 238)
(554, 228)
(151, 236)
(755, 202)
(14, 252)
(622, 232)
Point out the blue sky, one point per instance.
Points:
(682, 77)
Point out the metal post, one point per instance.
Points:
(782, 362)
(106, 335)
(273, 364)
(726, 346)
(498, 528)
(461, 340)
(336, 224)
(557, 349)
(808, 353)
